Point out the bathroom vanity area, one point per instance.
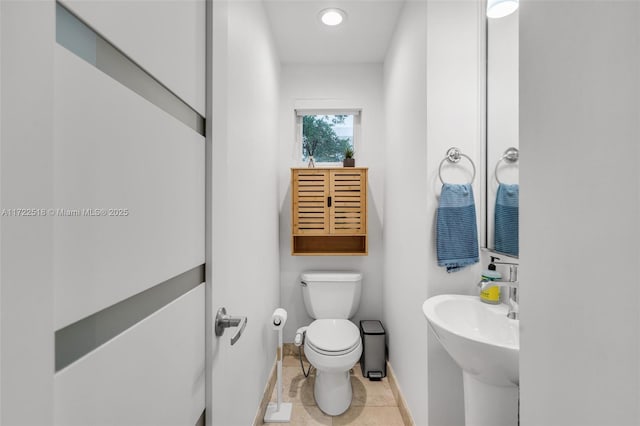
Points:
(483, 336)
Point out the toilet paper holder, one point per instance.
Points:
(224, 321)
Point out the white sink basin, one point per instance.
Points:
(478, 336)
(486, 345)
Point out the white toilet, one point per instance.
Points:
(332, 343)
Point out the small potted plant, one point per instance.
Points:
(349, 161)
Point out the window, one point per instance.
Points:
(326, 135)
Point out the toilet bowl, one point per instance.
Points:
(332, 343)
(333, 346)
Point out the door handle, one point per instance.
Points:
(329, 201)
(224, 321)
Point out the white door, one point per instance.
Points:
(102, 192)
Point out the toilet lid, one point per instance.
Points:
(333, 335)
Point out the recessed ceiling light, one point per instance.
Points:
(501, 8)
(332, 17)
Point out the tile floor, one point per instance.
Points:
(373, 403)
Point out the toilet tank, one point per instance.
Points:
(331, 295)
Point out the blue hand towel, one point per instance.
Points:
(506, 224)
(456, 228)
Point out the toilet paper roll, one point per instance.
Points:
(279, 318)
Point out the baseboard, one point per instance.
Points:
(266, 396)
(397, 394)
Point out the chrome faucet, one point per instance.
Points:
(512, 284)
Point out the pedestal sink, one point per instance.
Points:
(485, 344)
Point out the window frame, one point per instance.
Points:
(357, 120)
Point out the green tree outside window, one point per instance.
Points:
(319, 138)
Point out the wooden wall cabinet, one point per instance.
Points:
(329, 211)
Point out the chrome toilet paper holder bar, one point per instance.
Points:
(224, 321)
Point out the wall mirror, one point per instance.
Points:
(502, 148)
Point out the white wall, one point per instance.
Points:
(579, 133)
(454, 102)
(454, 117)
(406, 229)
(432, 96)
(245, 205)
(332, 86)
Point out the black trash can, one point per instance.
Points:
(373, 360)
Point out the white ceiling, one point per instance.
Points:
(363, 37)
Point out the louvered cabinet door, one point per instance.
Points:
(310, 191)
(348, 212)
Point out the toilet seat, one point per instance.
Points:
(333, 347)
(332, 337)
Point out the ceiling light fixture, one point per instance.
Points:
(332, 17)
(501, 8)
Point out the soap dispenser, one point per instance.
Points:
(491, 294)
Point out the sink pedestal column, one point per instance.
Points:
(489, 405)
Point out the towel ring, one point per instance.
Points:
(510, 156)
(453, 156)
